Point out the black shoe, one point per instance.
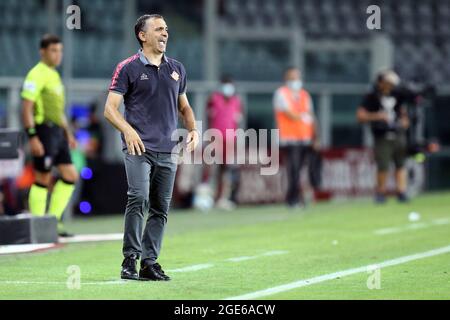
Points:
(402, 197)
(161, 271)
(65, 234)
(152, 272)
(62, 232)
(129, 271)
(380, 198)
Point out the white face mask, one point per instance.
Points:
(228, 89)
(294, 84)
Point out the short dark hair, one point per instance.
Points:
(140, 24)
(48, 39)
(291, 68)
(226, 78)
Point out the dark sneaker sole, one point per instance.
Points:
(125, 277)
(151, 279)
(66, 235)
(147, 279)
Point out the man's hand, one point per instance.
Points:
(192, 140)
(134, 142)
(112, 114)
(293, 115)
(404, 123)
(72, 141)
(316, 145)
(365, 116)
(187, 115)
(381, 116)
(36, 146)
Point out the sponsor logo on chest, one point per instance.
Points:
(144, 76)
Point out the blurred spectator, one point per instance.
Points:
(224, 111)
(389, 121)
(8, 203)
(294, 113)
(95, 147)
(88, 130)
(23, 185)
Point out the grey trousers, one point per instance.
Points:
(151, 178)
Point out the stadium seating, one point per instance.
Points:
(419, 30)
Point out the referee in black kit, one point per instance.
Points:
(153, 88)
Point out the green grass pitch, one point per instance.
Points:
(252, 249)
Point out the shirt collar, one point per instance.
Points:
(144, 59)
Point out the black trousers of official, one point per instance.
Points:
(296, 156)
(151, 178)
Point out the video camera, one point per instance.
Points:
(414, 94)
(416, 97)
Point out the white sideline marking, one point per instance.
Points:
(195, 267)
(275, 253)
(22, 248)
(265, 254)
(64, 282)
(413, 226)
(338, 274)
(243, 258)
(92, 238)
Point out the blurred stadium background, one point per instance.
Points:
(253, 41)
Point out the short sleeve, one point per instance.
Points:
(120, 80)
(279, 102)
(366, 102)
(183, 81)
(32, 86)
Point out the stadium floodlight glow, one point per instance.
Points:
(85, 207)
(86, 173)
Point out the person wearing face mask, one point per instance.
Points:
(224, 111)
(294, 115)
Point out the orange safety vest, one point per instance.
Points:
(302, 129)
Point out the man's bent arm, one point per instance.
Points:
(27, 113)
(364, 116)
(112, 113)
(186, 112)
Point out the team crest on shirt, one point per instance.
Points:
(175, 76)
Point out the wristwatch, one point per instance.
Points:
(31, 132)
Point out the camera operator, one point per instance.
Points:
(388, 118)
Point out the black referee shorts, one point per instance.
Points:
(56, 147)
